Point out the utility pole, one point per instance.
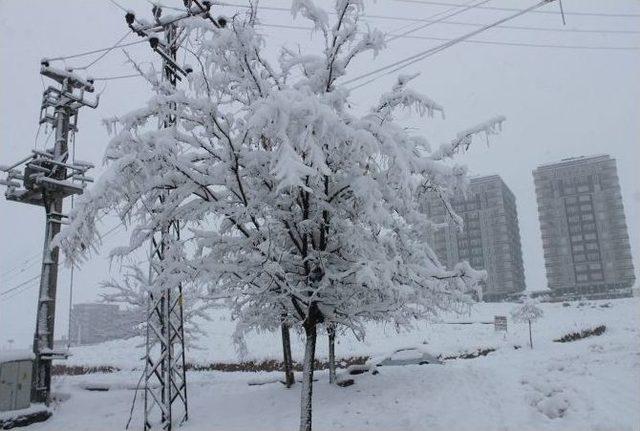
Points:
(165, 383)
(47, 179)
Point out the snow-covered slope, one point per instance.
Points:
(590, 384)
(438, 338)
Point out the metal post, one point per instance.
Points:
(165, 376)
(46, 310)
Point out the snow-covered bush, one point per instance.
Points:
(294, 208)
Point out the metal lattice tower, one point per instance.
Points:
(47, 178)
(165, 383)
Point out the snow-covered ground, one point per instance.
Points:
(591, 384)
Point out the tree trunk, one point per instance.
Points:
(307, 377)
(331, 330)
(289, 379)
(530, 338)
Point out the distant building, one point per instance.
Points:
(584, 232)
(98, 322)
(490, 238)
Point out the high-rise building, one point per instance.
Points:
(490, 238)
(98, 322)
(584, 232)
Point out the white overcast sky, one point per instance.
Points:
(559, 102)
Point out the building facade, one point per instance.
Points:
(96, 322)
(584, 231)
(490, 238)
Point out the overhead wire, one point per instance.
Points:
(459, 23)
(547, 12)
(487, 42)
(104, 54)
(465, 8)
(4, 292)
(95, 51)
(111, 78)
(397, 65)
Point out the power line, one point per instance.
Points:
(95, 51)
(24, 289)
(465, 8)
(462, 23)
(111, 78)
(116, 4)
(100, 57)
(487, 42)
(19, 266)
(533, 45)
(424, 54)
(4, 292)
(547, 12)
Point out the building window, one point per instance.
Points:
(587, 217)
(581, 277)
(593, 256)
(585, 198)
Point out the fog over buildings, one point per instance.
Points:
(584, 229)
(490, 235)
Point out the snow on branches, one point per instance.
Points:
(528, 311)
(295, 209)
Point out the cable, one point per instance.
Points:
(429, 21)
(465, 8)
(4, 292)
(95, 51)
(116, 4)
(111, 78)
(19, 266)
(460, 23)
(547, 12)
(419, 56)
(533, 45)
(31, 286)
(100, 57)
(300, 27)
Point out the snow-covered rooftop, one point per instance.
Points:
(16, 355)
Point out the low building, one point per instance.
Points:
(97, 322)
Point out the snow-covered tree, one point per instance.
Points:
(300, 210)
(528, 312)
(131, 292)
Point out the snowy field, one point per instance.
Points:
(590, 384)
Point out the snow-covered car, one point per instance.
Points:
(407, 356)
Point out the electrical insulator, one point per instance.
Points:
(156, 11)
(154, 41)
(130, 17)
